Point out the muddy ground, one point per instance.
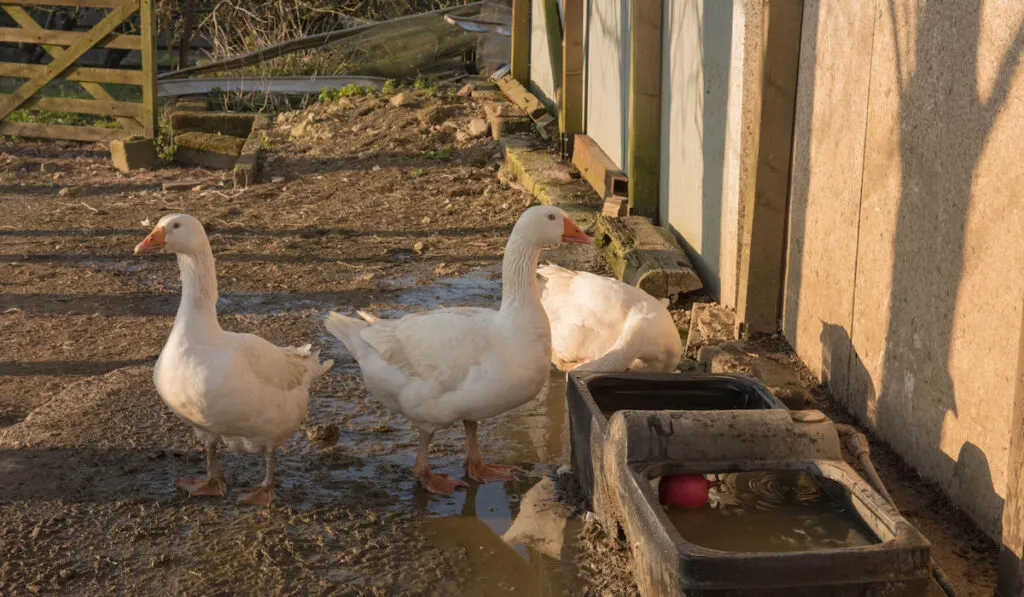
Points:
(392, 209)
(400, 214)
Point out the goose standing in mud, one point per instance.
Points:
(235, 388)
(467, 364)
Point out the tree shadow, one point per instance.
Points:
(945, 122)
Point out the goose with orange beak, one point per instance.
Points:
(465, 364)
(234, 389)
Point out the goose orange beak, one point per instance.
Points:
(572, 234)
(153, 242)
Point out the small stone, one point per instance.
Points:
(467, 90)
(63, 192)
(418, 248)
(478, 127)
(197, 188)
(277, 179)
(402, 99)
(324, 433)
(365, 155)
(376, 167)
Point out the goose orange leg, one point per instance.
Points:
(263, 493)
(474, 462)
(434, 483)
(213, 484)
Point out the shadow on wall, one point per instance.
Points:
(945, 122)
(697, 55)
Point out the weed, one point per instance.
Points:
(439, 154)
(353, 90)
(419, 172)
(390, 86)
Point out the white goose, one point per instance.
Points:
(465, 364)
(235, 388)
(604, 325)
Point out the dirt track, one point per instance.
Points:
(88, 451)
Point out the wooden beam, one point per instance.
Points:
(644, 163)
(68, 38)
(599, 170)
(61, 131)
(762, 257)
(82, 106)
(570, 106)
(1011, 555)
(553, 27)
(147, 18)
(96, 90)
(520, 63)
(77, 73)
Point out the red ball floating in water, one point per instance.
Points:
(683, 491)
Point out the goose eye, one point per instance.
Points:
(176, 225)
(551, 217)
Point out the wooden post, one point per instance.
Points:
(644, 168)
(762, 258)
(570, 105)
(150, 116)
(1011, 566)
(186, 32)
(520, 66)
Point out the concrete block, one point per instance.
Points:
(646, 256)
(208, 150)
(133, 153)
(247, 167)
(710, 325)
(505, 121)
(224, 123)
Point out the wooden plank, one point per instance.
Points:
(520, 59)
(68, 38)
(570, 108)
(147, 17)
(82, 106)
(77, 73)
(644, 164)
(114, 18)
(762, 258)
(553, 27)
(61, 131)
(94, 89)
(1011, 563)
(77, 3)
(598, 169)
(305, 43)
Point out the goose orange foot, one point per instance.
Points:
(261, 496)
(485, 473)
(440, 484)
(213, 486)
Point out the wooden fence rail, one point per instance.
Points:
(67, 47)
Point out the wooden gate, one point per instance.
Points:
(66, 48)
